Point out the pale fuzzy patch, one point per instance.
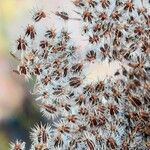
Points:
(17, 145)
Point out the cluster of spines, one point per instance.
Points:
(108, 114)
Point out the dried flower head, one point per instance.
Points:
(98, 114)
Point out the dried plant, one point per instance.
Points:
(109, 114)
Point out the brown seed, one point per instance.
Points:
(144, 115)
(46, 80)
(65, 71)
(89, 89)
(21, 44)
(91, 55)
(62, 15)
(87, 16)
(50, 108)
(80, 100)
(75, 82)
(59, 90)
(90, 144)
(111, 143)
(92, 3)
(94, 39)
(141, 10)
(148, 144)
(40, 147)
(97, 28)
(81, 128)
(63, 129)
(39, 15)
(99, 87)
(44, 44)
(72, 118)
(30, 31)
(77, 68)
(42, 136)
(23, 69)
(105, 3)
(113, 109)
(78, 3)
(147, 129)
(101, 108)
(58, 142)
(94, 99)
(50, 34)
(138, 30)
(93, 121)
(65, 35)
(37, 70)
(134, 101)
(115, 15)
(83, 111)
(101, 121)
(103, 16)
(132, 115)
(129, 5)
(17, 147)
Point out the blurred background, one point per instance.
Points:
(18, 111)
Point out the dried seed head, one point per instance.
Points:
(82, 110)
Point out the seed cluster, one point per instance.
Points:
(107, 114)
